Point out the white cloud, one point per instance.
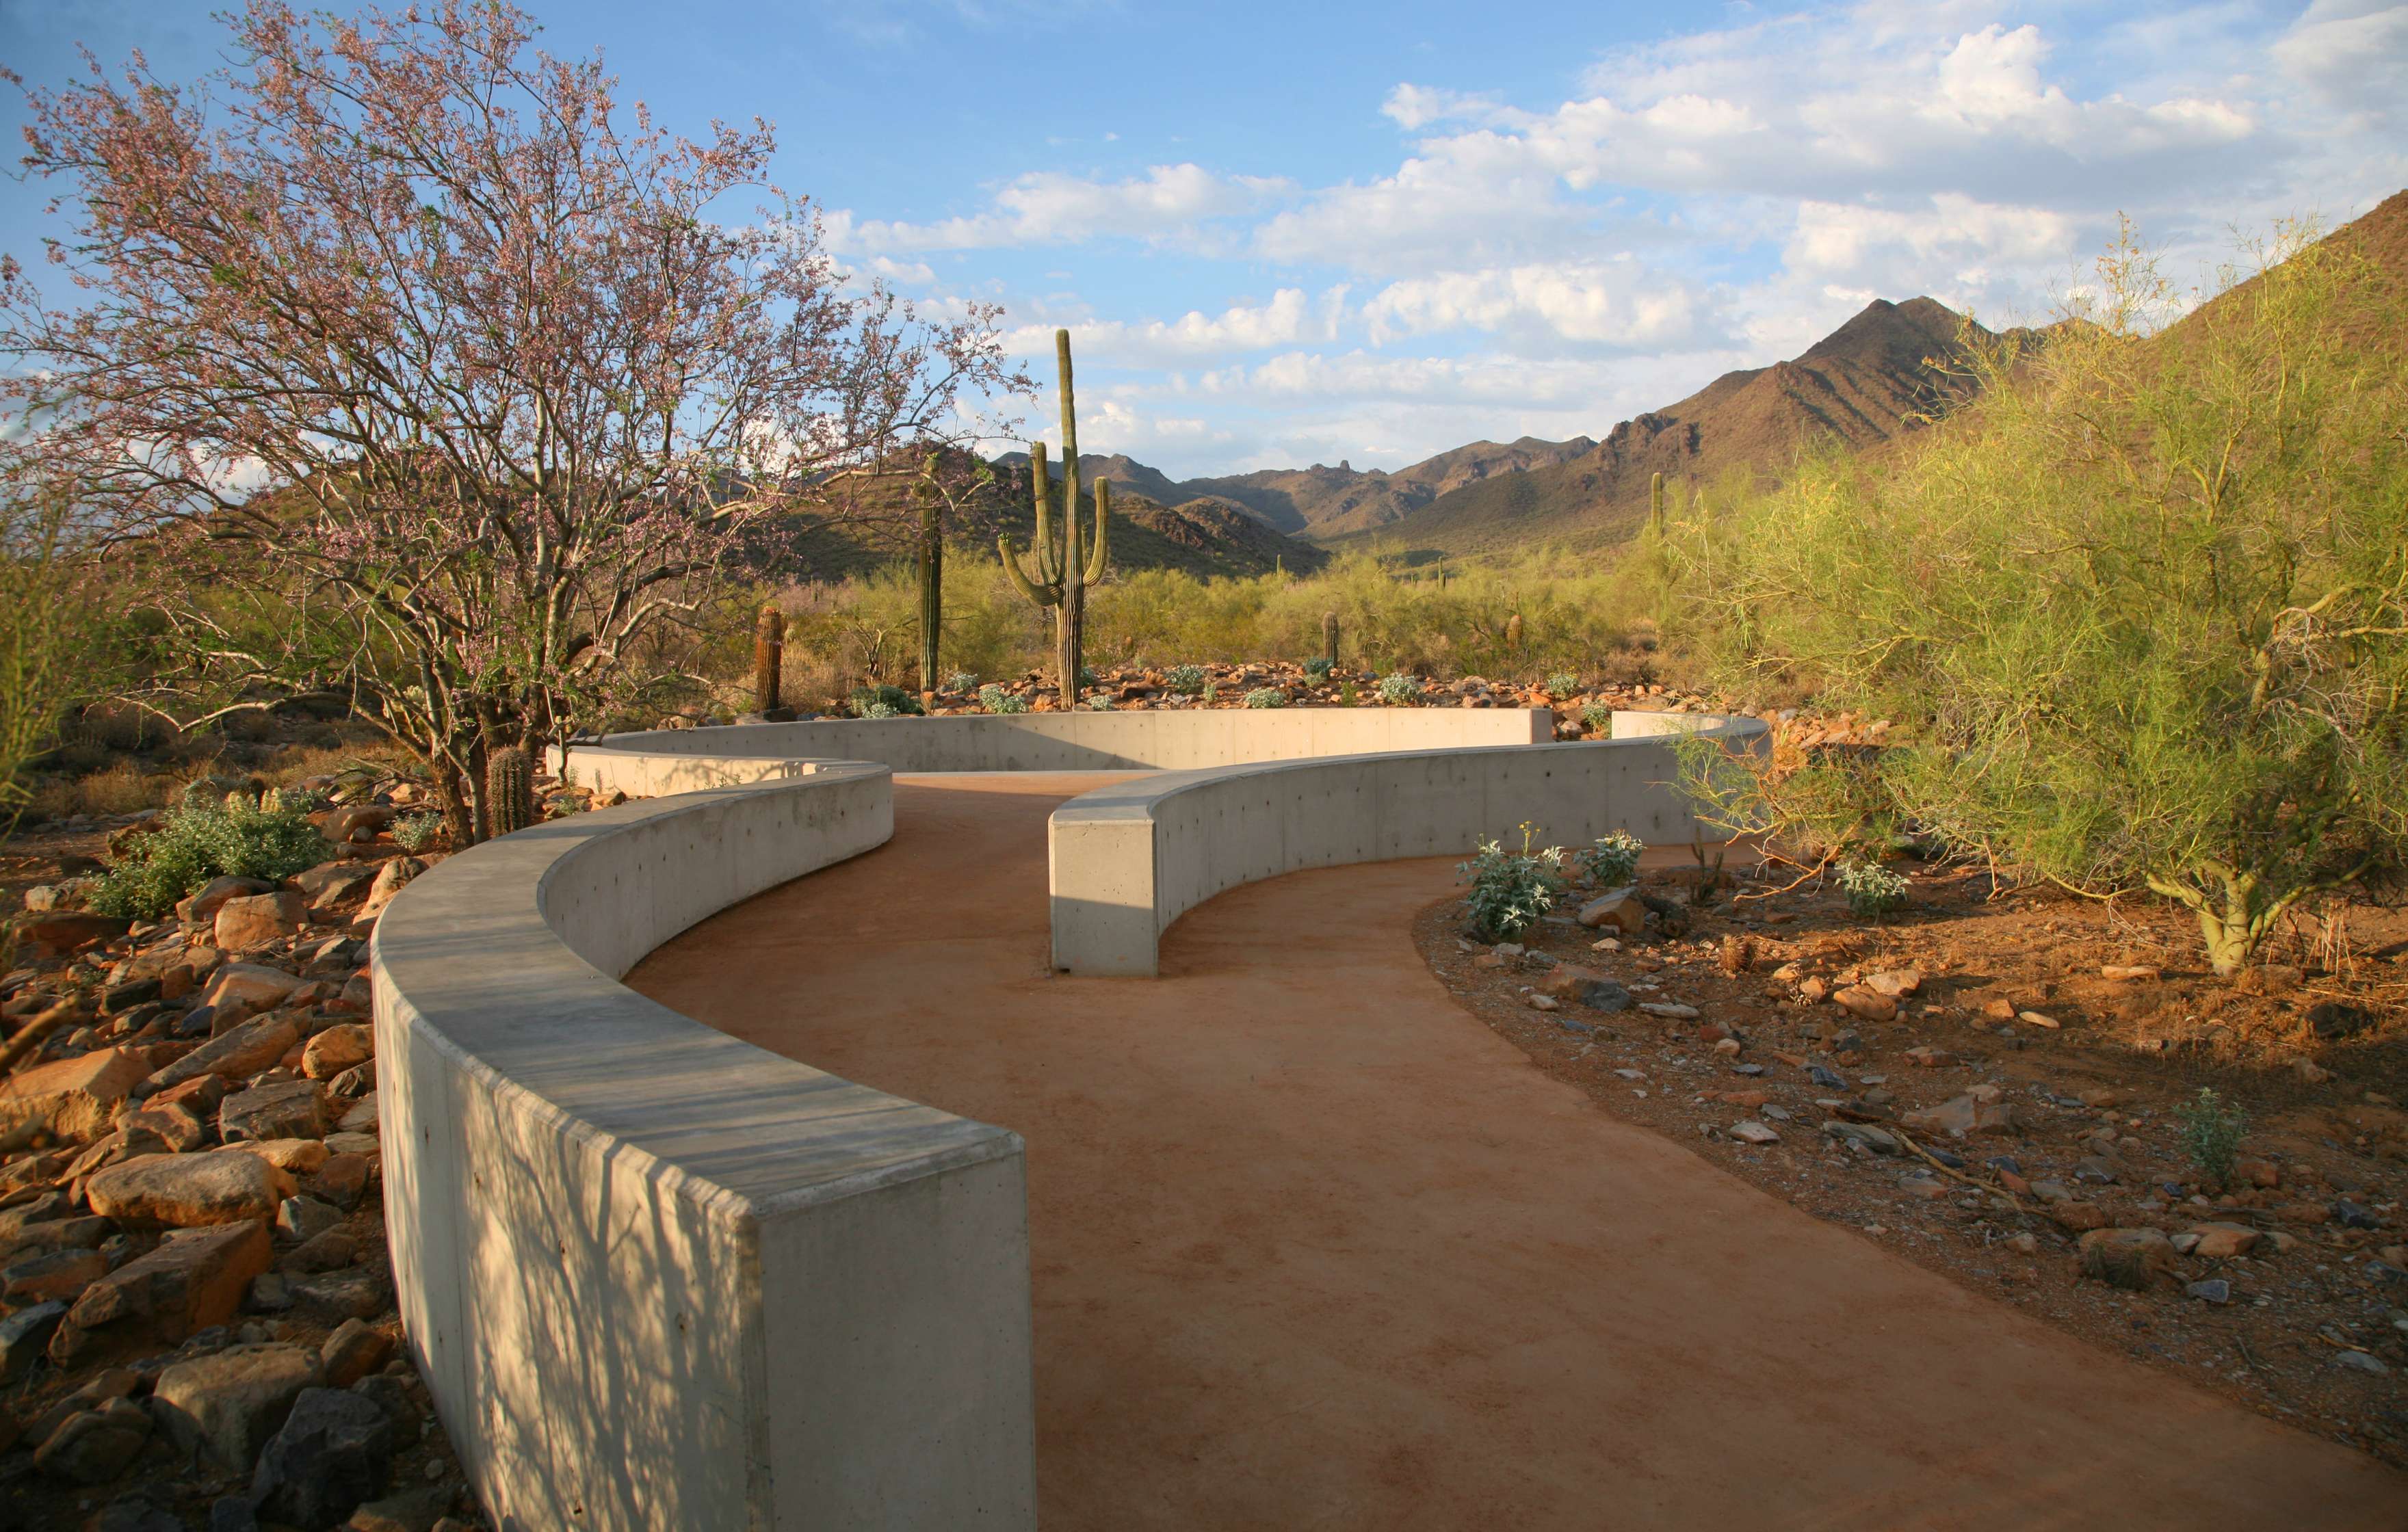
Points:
(1614, 303)
(1047, 207)
(2353, 53)
(1289, 317)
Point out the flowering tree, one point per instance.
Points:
(410, 368)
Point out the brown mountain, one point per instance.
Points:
(1322, 501)
(1877, 376)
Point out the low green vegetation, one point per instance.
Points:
(197, 840)
(2211, 1135)
(1511, 890)
(1185, 680)
(1266, 697)
(1400, 688)
(1873, 890)
(883, 702)
(1613, 861)
(994, 699)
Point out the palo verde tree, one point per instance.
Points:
(427, 370)
(2142, 609)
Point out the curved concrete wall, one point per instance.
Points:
(656, 1276)
(662, 761)
(1128, 860)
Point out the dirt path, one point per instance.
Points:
(1312, 1248)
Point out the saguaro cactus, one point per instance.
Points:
(931, 563)
(510, 790)
(1329, 639)
(1655, 505)
(769, 658)
(1063, 566)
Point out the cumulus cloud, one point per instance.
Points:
(1611, 303)
(1048, 208)
(1289, 317)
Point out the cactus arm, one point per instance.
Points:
(1040, 482)
(1097, 556)
(1043, 596)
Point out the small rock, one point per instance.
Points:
(302, 1219)
(1747, 1130)
(1876, 1140)
(2034, 1018)
(59, 1274)
(337, 1048)
(2357, 1361)
(72, 1099)
(1670, 1010)
(354, 1350)
(2215, 1290)
(1965, 1115)
(1618, 908)
(1869, 1004)
(1540, 1002)
(2349, 1215)
(2223, 1241)
(241, 990)
(195, 1279)
(2131, 973)
(2131, 1259)
(250, 1048)
(411, 1510)
(26, 1335)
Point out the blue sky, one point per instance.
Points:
(1286, 234)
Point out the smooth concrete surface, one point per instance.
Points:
(1128, 860)
(1314, 1249)
(662, 761)
(654, 1276)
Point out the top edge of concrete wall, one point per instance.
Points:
(505, 959)
(657, 761)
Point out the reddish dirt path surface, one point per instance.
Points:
(1314, 1249)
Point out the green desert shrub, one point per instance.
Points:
(1599, 716)
(1613, 861)
(891, 701)
(1266, 697)
(1318, 667)
(2211, 1134)
(961, 680)
(1873, 890)
(1563, 683)
(1399, 687)
(1186, 680)
(1510, 890)
(417, 831)
(198, 841)
(2140, 613)
(994, 699)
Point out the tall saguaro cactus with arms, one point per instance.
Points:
(1064, 567)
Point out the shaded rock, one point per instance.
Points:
(98, 1445)
(330, 1251)
(59, 1274)
(334, 1451)
(354, 1350)
(2216, 1289)
(2127, 1258)
(304, 1218)
(342, 1181)
(293, 1108)
(386, 1392)
(26, 1335)
(64, 931)
(232, 1402)
(359, 1292)
(1964, 1116)
(332, 883)
(411, 1510)
(390, 880)
(293, 1156)
(362, 1117)
(147, 1509)
(1877, 1139)
(223, 1186)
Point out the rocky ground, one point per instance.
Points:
(197, 1326)
(1990, 1084)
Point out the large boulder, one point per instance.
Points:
(291, 1108)
(253, 1046)
(233, 1401)
(344, 1046)
(188, 1191)
(72, 1099)
(195, 1279)
(255, 920)
(334, 1451)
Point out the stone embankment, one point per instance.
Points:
(197, 1320)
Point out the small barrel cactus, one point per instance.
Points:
(510, 790)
